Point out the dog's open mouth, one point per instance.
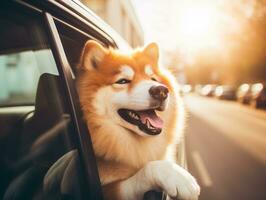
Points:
(146, 120)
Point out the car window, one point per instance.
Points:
(24, 56)
(36, 129)
(18, 83)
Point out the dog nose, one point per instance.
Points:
(159, 92)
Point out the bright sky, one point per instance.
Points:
(195, 26)
(157, 19)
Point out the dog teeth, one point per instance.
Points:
(133, 115)
(136, 116)
(148, 124)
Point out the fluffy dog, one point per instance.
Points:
(135, 116)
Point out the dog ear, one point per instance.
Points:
(152, 50)
(92, 55)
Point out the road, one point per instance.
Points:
(226, 149)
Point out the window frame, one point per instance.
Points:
(85, 144)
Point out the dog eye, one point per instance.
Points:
(154, 79)
(123, 81)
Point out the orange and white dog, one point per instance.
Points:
(135, 117)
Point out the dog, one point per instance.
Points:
(135, 117)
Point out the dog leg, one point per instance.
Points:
(156, 175)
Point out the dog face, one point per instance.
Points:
(126, 91)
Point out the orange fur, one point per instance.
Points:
(119, 156)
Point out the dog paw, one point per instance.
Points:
(174, 180)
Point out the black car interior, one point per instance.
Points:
(33, 135)
(37, 140)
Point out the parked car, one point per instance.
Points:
(244, 94)
(197, 89)
(40, 115)
(208, 90)
(258, 99)
(185, 89)
(226, 92)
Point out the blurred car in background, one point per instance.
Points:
(197, 88)
(208, 90)
(226, 92)
(244, 94)
(185, 89)
(258, 92)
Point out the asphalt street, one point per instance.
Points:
(226, 149)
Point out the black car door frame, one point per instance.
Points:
(85, 148)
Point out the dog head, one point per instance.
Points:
(129, 92)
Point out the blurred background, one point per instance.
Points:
(217, 50)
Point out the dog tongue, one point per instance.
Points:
(150, 115)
